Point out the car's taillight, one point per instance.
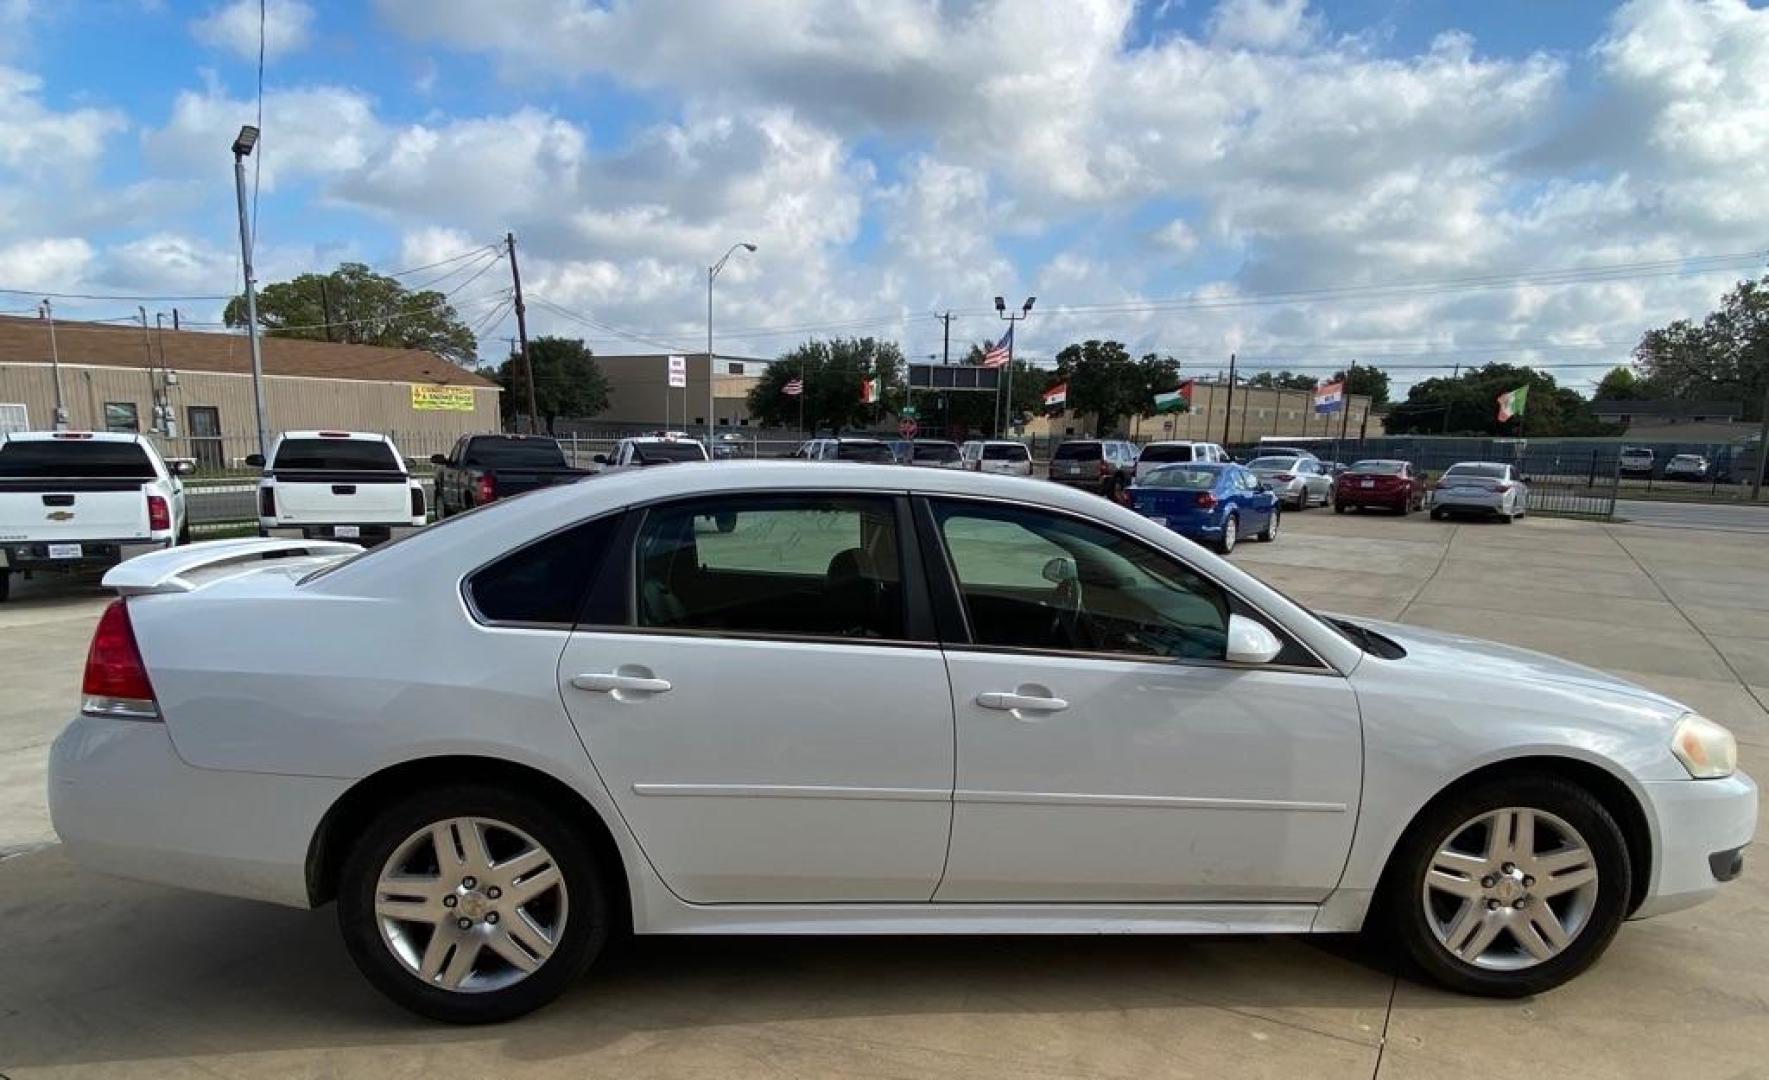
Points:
(267, 502)
(116, 683)
(1105, 468)
(1206, 501)
(488, 488)
(159, 515)
(1501, 488)
(417, 502)
(1284, 478)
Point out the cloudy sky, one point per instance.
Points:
(1413, 183)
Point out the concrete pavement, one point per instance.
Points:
(104, 978)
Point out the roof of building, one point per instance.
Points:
(25, 340)
(1667, 408)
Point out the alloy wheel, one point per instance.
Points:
(471, 904)
(1510, 889)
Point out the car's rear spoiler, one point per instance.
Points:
(174, 570)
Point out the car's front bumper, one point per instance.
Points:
(1702, 827)
(124, 802)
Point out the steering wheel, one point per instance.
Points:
(1067, 622)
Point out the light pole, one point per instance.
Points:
(1012, 317)
(712, 272)
(242, 148)
(61, 406)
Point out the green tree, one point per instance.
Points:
(1370, 382)
(1472, 404)
(1104, 381)
(365, 308)
(567, 381)
(963, 412)
(1283, 380)
(832, 371)
(1620, 384)
(1725, 357)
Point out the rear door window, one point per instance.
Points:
(1083, 451)
(1007, 453)
(1165, 454)
(335, 455)
(514, 454)
(74, 459)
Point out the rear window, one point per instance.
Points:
(1487, 472)
(1379, 468)
(1012, 452)
(515, 454)
(348, 455)
(1179, 476)
(69, 459)
(850, 451)
(936, 452)
(668, 451)
(1166, 453)
(1278, 463)
(1079, 451)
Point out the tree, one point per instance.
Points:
(365, 308)
(1725, 357)
(832, 372)
(966, 411)
(1472, 405)
(1282, 380)
(1370, 382)
(567, 381)
(1620, 384)
(1105, 382)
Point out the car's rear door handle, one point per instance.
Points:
(605, 683)
(1007, 702)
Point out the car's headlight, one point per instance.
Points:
(1705, 748)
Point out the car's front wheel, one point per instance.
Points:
(471, 904)
(1270, 532)
(1231, 532)
(1510, 888)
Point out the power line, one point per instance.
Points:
(608, 328)
(443, 262)
(107, 296)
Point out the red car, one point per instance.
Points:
(1392, 485)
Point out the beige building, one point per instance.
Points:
(194, 390)
(639, 390)
(1244, 416)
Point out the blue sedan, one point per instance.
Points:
(1212, 503)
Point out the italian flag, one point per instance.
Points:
(1179, 400)
(1511, 403)
(1057, 396)
(868, 391)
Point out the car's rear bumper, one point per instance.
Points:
(1190, 528)
(1459, 503)
(1703, 827)
(34, 555)
(373, 533)
(124, 802)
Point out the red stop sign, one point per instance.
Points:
(907, 428)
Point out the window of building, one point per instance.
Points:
(121, 416)
(14, 417)
(733, 369)
(546, 583)
(799, 565)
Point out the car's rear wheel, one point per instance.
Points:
(1509, 888)
(1231, 529)
(1439, 515)
(1340, 508)
(472, 904)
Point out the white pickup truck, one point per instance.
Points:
(343, 485)
(74, 500)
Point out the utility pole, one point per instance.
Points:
(325, 307)
(1230, 403)
(61, 408)
(1345, 402)
(1762, 446)
(158, 421)
(946, 346)
(522, 331)
(1454, 375)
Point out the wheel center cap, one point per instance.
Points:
(474, 905)
(1507, 890)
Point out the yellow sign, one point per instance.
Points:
(442, 398)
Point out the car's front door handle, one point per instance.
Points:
(1007, 702)
(606, 683)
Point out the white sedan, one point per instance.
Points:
(881, 702)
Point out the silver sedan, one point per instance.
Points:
(1487, 488)
(1298, 482)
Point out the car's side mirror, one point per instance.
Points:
(439, 459)
(1251, 642)
(255, 460)
(1060, 570)
(600, 459)
(182, 467)
(1265, 487)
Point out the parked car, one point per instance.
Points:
(641, 451)
(1054, 717)
(1300, 482)
(936, 454)
(997, 456)
(345, 485)
(482, 468)
(1636, 461)
(1382, 483)
(1210, 502)
(873, 451)
(1275, 450)
(1687, 467)
(1103, 466)
(1486, 488)
(1157, 454)
(83, 500)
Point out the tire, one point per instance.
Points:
(1565, 815)
(1439, 515)
(1302, 502)
(183, 535)
(1231, 529)
(1270, 532)
(1340, 508)
(577, 897)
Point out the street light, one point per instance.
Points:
(242, 149)
(1024, 312)
(711, 402)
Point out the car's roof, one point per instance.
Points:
(1486, 464)
(1177, 442)
(1281, 456)
(73, 436)
(1378, 461)
(935, 442)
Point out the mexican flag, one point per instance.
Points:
(1179, 400)
(1057, 396)
(868, 391)
(1511, 403)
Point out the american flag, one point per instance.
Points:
(997, 354)
(793, 387)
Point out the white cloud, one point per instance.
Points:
(287, 26)
(53, 264)
(1263, 24)
(312, 131)
(36, 140)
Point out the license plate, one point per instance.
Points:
(1366, 483)
(347, 531)
(65, 551)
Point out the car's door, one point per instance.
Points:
(1106, 750)
(772, 715)
(1256, 505)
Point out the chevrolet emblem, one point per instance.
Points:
(60, 515)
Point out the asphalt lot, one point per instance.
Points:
(106, 978)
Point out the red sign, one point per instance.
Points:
(907, 428)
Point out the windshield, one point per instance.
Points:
(941, 452)
(1181, 476)
(336, 455)
(1273, 464)
(1158, 452)
(668, 451)
(1379, 468)
(513, 453)
(73, 459)
(1079, 451)
(865, 451)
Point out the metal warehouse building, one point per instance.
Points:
(194, 390)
